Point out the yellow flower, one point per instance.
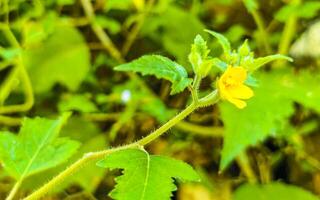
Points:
(231, 86)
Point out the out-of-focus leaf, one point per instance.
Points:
(268, 111)
(63, 58)
(144, 174)
(274, 191)
(108, 23)
(76, 102)
(263, 116)
(305, 10)
(118, 4)
(161, 67)
(173, 34)
(36, 148)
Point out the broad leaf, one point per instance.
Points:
(146, 176)
(63, 58)
(274, 191)
(268, 111)
(263, 116)
(161, 67)
(36, 147)
(222, 40)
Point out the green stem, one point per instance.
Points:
(135, 30)
(87, 158)
(246, 168)
(18, 70)
(14, 189)
(262, 30)
(168, 125)
(288, 34)
(10, 121)
(210, 131)
(100, 154)
(98, 30)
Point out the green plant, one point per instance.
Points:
(45, 151)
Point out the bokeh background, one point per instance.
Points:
(61, 55)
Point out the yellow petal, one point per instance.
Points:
(241, 92)
(222, 89)
(237, 102)
(239, 74)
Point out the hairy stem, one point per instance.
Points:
(100, 154)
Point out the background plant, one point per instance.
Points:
(58, 56)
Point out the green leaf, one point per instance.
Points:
(172, 34)
(63, 58)
(264, 115)
(146, 176)
(222, 66)
(77, 102)
(110, 24)
(36, 147)
(222, 40)
(259, 62)
(274, 191)
(268, 111)
(161, 67)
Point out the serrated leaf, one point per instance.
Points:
(274, 191)
(63, 58)
(36, 147)
(222, 40)
(264, 116)
(146, 176)
(161, 67)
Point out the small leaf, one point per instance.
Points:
(273, 191)
(161, 67)
(222, 66)
(259, 62)
(146, 176)
(222, 40)
(244, 49)
(36, 147)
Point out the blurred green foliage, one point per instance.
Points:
(59, 55)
